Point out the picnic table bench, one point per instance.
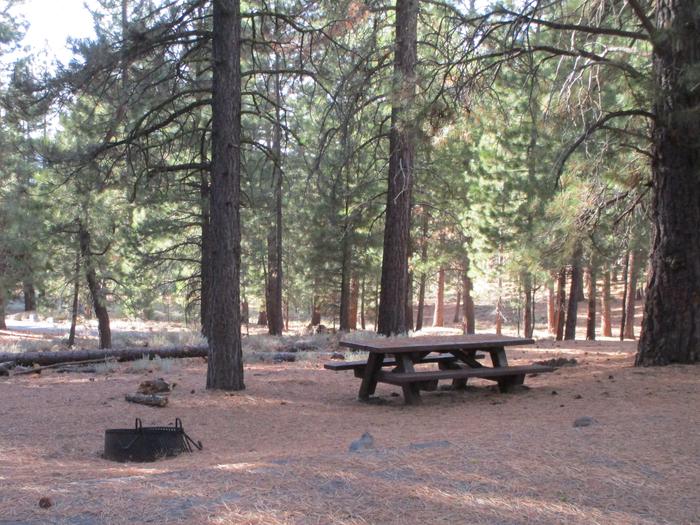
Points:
(456, 357)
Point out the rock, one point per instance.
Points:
(153, 386)
(555, 393)
(364, 443)
(338, 355)
(45, 502)
(430, 444)
(578, 396)
(585, 421)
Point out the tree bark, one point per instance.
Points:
(631, 296)
(362, 304)
(623, 310)
(76, 297)
(590, 318)
(469, 318)
(315, 313)
(225, 363)
(527, 313)
(572, 311)
(29, 296)
(394, 280)
(605, 319)
(354, 300)
(457, 315)
(3, 324)
(671, 321)
(345, 284)
(273, 304)
(424, 260)
(421, 302)
(560, 313)
(551, 308)
(439, 311)
(262, 316)
(99, 301)
(409, 302)
(205, 253)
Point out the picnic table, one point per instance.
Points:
(456, 357)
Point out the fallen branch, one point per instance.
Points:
(38, 369)
(124, 354)
(153, 400)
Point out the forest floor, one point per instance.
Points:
(278, 452)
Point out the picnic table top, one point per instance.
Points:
(394, 345)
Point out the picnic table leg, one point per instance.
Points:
(369, 380)
(411, 391)
(499, 359)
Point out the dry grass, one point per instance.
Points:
(277, 453)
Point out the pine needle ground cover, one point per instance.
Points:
(278, 452)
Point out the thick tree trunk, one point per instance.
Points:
(394, 281)
(631, 296)
(551, 308)
(29, 296)
(76, 297)
(590, 318)
(262, 316)
(605, 319)
(527, 311)
(572, 311)
(560, 311)
(671, 321)
(439, 311)
(273, 285)
(225, 363)
(99, 302)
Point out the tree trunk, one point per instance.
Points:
(362, 304)
(572, 311)
(76, 297)
(560, 312)
(527, 313)
(439, 311)
(499, 316)
(99, 302)
(605, 319)
(672, 309)
(409, 302)
(394, 280)
(205, 253)
(623, 310)
(354, 299)
(262, 316)
(345, 278)
(590, 318)
(631, 292)
(29, 296)
(457, 316)
(421, 302)
(551, 309)
(423, 261)
(3, 324)
(275, 320)
(315, 313)
(225, 363)
(469, 320)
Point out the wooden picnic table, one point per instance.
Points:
(456, 358)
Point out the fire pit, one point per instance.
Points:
(147, 443)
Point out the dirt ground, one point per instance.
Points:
(279, 451)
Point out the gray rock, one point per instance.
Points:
(585, 421)
(364, 443)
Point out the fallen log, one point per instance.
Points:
(153, 400)
(123, 354)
